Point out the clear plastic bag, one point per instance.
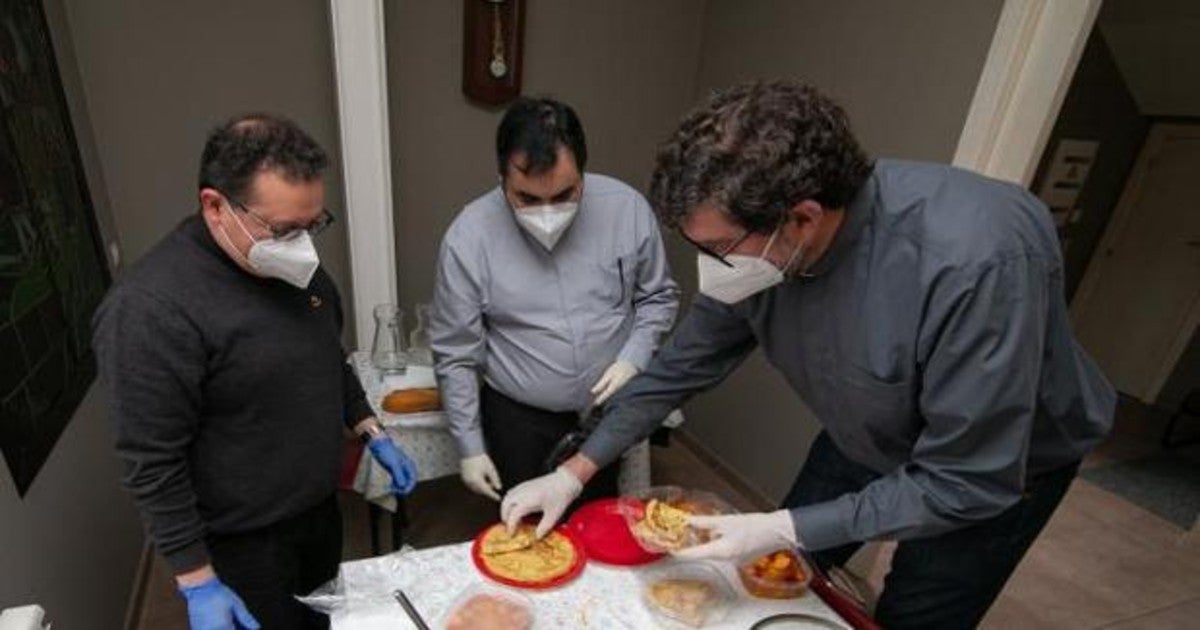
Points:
(366, 591)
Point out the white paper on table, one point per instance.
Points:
(414, 377)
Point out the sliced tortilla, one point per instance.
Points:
(540, 561)
(498, 541)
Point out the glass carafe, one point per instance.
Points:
(418, 340)
(387, 351)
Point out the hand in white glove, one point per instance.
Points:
(739, 535)
(549, 494)
(479, 474)
(614, 378)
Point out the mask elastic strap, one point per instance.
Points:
(770, 242)
(791, 259)
(240, 224)
(229, 241)
(796, 254)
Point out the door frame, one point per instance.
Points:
(1122, 215)
(1029, 66)
(360, 72)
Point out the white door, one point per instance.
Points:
(1140, 298)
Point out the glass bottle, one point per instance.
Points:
(418, 340)
(387, 351)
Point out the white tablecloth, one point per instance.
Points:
(426, 436)
(602, 597)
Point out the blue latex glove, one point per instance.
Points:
(214, 606)
(397, 462)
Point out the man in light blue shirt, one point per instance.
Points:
(552, 291)
(917, 309)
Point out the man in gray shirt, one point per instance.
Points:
(553, 289)
(919, 312)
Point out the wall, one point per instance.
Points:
(626, 66)
(158, 76)
(1098, 106)
(1155, 46)
(72, 543)
(905, 72)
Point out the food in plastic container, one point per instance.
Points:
(657, 517)
(482, 607)
(777, 575)
(689, 594)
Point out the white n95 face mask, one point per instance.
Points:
(546, 223)
(746, 276)
(294, 260)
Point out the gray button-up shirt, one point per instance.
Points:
(542, 326)
(932, 342)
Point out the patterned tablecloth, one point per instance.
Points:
(426, 436)
(602, 597)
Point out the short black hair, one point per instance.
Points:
(535, 127)
(246, 145)
(755, 151)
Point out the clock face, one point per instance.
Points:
(498, 68)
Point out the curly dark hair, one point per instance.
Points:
(755, 151)
(245, 145)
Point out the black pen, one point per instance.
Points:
(621, 275)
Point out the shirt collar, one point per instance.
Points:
(859, 213)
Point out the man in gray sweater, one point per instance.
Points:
(917, 309)
(221, 350)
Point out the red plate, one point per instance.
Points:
(572, 573)
(605, 535)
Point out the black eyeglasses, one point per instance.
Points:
(287, 232)
(719, 257)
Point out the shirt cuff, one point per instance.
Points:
(602, 449)
(823, 525)
(189, 558)
(637, 353)
(470, 442)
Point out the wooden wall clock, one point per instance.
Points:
(493, 42)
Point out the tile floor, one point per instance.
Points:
(1102, 562)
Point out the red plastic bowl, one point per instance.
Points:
(604, 533)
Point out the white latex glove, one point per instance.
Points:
(549, 494)
(740, 535)
(614, 378)
(479, 474)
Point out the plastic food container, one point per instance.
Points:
(633, 510)
(487, 607)
(686, 594)
(780, 574)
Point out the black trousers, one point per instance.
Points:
(946, 581)
(266, 567)
(520, 438)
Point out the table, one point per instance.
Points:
(602, 597)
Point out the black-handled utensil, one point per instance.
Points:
(410, 610)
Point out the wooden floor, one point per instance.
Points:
(1102, 562)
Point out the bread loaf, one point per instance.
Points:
(412, 400)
